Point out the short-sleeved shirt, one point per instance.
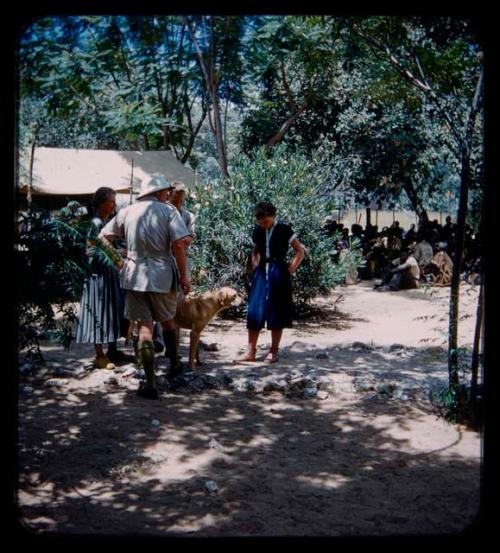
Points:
(273, 244)
(188, 219)
(149, 227)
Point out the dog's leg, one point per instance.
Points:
(194, 341)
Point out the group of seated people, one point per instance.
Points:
(399, 259)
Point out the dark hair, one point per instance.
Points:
(263, 210)
(101, 195)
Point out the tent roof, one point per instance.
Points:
(64, 171)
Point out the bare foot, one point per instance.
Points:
(247, 358)
(271, 358)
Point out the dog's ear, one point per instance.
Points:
(222, 297)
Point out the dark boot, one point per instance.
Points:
(170, 339)
(146, 355)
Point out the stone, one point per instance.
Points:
(363, 385)
(155, 423)
(274, 385)
(255, 386)
(387, 388)
(400, 394)
(322, 355)
(214, 444)
(310, 392)
(322, 394)
(239, 385)
(362, 346)
(62, 371)
(26, 368)
(294, 374)
(435, 350)
(28, 390)
(396, 347)
(211, 486)
(56, 382)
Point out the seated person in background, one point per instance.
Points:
(438, 272)
(423, 251)
(377, 262)
(410, 236)
(404, 276)
(397, 230)
(394, 244)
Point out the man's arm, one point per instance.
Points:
(179, 252)
(402, 267)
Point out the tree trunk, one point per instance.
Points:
(193, 136)
(475, 352)
(211, 83)
(416, 202)
(368, 216)
(219, 136)
(457, 269)
(465, 178)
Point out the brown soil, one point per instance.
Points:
(96, 459)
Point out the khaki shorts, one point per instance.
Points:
(150, 306)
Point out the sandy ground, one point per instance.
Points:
(367, 457)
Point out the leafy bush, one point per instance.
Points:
(51, 267)
(224, 223)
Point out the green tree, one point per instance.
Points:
(217, 41)
(291, 70)
(224, 221)
(129, 81)
(442, 59)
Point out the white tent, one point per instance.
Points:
(73, 172)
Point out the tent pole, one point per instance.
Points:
(32, 159)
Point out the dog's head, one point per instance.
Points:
(227, 296)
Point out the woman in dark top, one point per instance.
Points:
(270, 299)
(101, 306)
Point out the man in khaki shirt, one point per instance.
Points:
(154, 233)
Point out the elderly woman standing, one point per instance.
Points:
(270, 299)
(101, 304)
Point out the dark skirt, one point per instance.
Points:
(270, 300)
(101, 308)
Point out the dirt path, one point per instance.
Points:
(338, 438)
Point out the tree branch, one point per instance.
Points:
(409, 76)
(291, 102)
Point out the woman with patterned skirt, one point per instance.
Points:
(101, 305)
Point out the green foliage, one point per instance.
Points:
(51, 257)
(224, 223)
(294, 63)
(453, 403)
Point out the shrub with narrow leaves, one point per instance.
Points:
(224, 222)
(51, 264)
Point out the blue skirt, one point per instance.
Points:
(270, 299)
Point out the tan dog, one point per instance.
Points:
(195, 314)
